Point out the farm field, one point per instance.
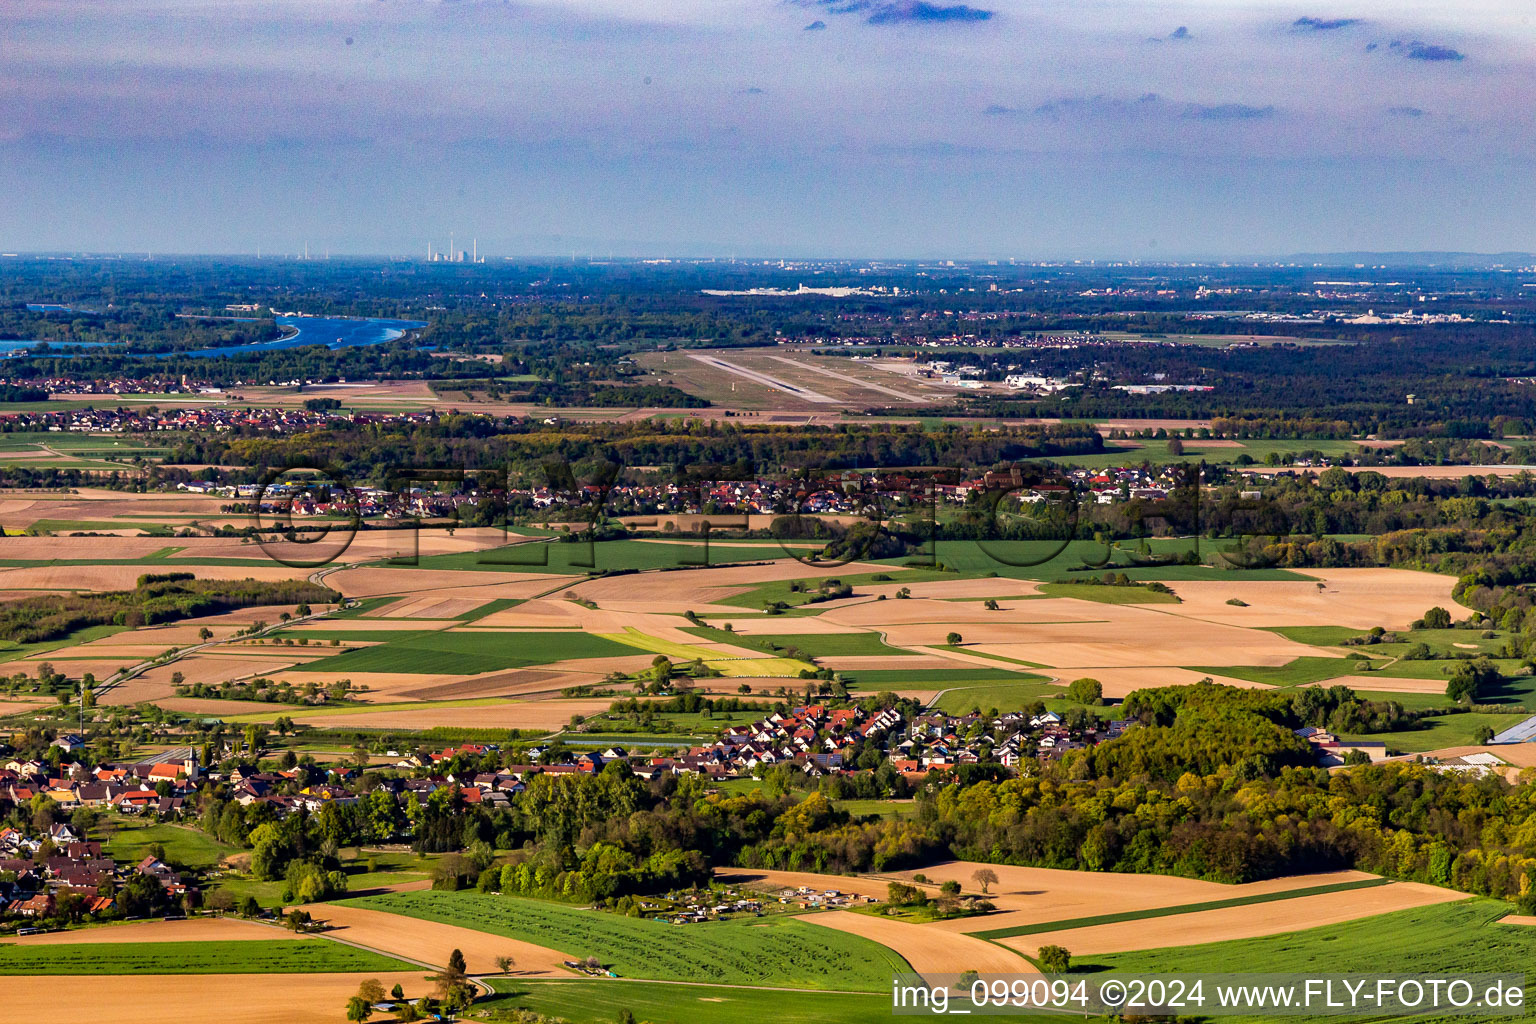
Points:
(602, 1001)
(1242, 921)
(199, 999)
(928, 950)
(427, 941)
(1262, 895)
(779, 951)
(1106, 595)
(1441, 731)
(1156, 451)
(197, 929)
(489, 659)
(467, 652)
(960, 699)
(217, 956)
(1030, 896)
(1440, 939)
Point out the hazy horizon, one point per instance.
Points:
(1029, 129)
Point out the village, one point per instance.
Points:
(51, 871)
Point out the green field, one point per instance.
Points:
(97, 526)
(489, 608)
(1440, 731)
(365, 606)
(274, 956)
(817, 645)
(602, 1002)
(130, 841)
(1155, 451)
(468, 653)
(882, 808)
(1437, 941)
(779, 951)
(1444, 643)
(1293, 673)
(1107, 595)
(1317, 636)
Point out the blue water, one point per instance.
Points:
(332, 332)
(50, 307)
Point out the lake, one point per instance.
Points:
(332, 332)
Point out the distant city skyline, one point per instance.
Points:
(1130, 129)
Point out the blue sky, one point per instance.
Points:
(1004, 128)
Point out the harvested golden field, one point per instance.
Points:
(697, 588)
(951, 590)
(1134, 641)
(93, 504)
(1358, 598)
(874, 662)
(1119, 681)
(1385, 684)
(384, 687)
(928, 951)
(1029, 895)
(195, 929)
(373, 625)
(549, 613)
(484, 585)
(196, 998)
(428, 606)
(756, 624)
(202, 667)
(430, 941)
(211, 707)
(46, 548)
(863, 613)
(125, 577)
(1239, 922)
